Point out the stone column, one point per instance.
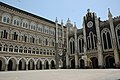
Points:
(43, 66)
(67, 53)
(85, 42)
(34, 66)
(56, 45)
(26, 66)
(49, 66)
(114, 43)
(6, 67)
(76, 54)
(99, 44)
(17, 66)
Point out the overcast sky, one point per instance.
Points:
(64, 9)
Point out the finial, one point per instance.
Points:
(109, 13)
(56, 20)
(62, 21)
(88, 10)
(68, 21)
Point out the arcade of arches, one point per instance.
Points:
(93, 63)
(12, 64)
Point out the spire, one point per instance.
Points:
(75, 25)
(88, 10)
(56, 20)
(109, 13)
(62, 22)
(68, 21)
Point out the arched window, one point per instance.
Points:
(44, 52)
(29, 50)
(118, 35)
(25, 23)
(15, 36)
(16, 49)
(4, 34)
(106, 39)
(37, 51)
(25, 50)
(33, 51)
(0, 47)
(6, 17)
(21, 49)
(5, 48)
(53, 52)
(10, 48)
(50, 52)
(91, 41)
(81, 44)
(16, 21)
(72, 46)
(32, 39)
(33, 25)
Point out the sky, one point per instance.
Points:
(64, 9)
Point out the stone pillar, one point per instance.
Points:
(67, 53)
(43, 66)
(99, 44)
(17, 67)
(34, 66)
(114, 43)
(76, 54)
(56, 45)
(6, 67)
(26, 66)
(85, 42)
(49, 66)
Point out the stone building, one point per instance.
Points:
(31, 42)
(96, 45)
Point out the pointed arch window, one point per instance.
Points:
(25, 50)
(16, 49)
(72, 46)
(106, 39)
(29, 50)
(21, 49)
(37, 51)
(6, 18)
(4, 34)
(5, 48)
(33, 51)
(40, 51)
(81, 44)
(10, 48)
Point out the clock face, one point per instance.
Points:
(89, 24)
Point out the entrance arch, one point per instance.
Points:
(31, 65)
(82, 64)
(22, 64)
(52, 64)
(46, 64)
(94, 62)
(73, 64)
(2, 64)
(12, 64)
(39, 65)
(110, 61)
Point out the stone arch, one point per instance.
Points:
(72, 63)
(52, 63)
(94, 61)
(39, 64)
(31, 63)
(12, 61)
(109, 61)
(25, 23)
(3, 62)
(46, 64)
(81, 64)
(22, 64)
(6, 17)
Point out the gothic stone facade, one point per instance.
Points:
(30, 42)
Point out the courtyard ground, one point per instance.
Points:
(62, 74)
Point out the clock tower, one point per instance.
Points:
(90, 30)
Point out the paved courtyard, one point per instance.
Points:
(69, 74)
